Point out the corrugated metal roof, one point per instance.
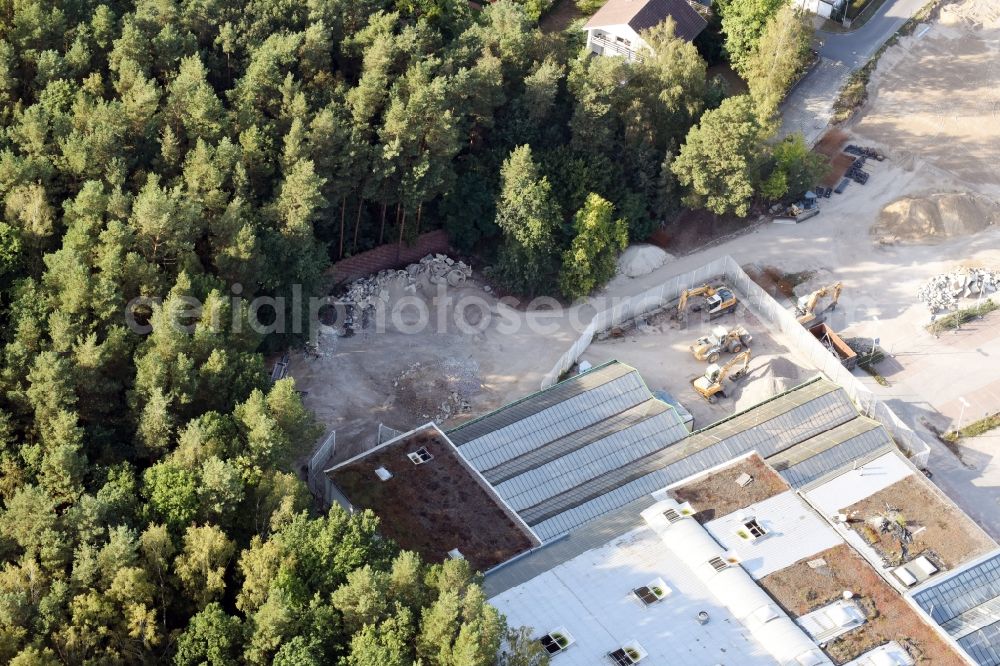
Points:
(768, 428)
(537, 402)
(599, 440)
(967, 606)
(577, 440)
(829, 451)
(962, 592)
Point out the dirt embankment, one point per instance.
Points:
(934, 218)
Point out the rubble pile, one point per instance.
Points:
(942, 292)
(434, 269)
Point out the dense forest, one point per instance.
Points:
(179, 149)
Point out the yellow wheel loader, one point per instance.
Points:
(710, 347)
(709, 386)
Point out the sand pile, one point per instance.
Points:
(641, 259)
(976, 13)
(779, 375)
(937, 217)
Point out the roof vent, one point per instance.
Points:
(383, 474)
(556, 641)
(751, 530)
(456, 554)
(420, 456)
(652, 592)
(724, 561)
(682, 511)
(628, 654)
(718, 563)
(744, 480)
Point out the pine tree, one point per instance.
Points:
(529, 219)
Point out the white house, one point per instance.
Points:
(831, 9)
(614, 30)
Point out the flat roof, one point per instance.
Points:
(590, 597)
(435, 506)
(793, 531)
(859, 483)
(822, 578)
(718, 492)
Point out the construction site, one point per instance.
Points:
(561, 423)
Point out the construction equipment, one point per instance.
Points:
(710, 347)
(805, 310)
(709, 385)
(719, 300)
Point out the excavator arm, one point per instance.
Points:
(743, 358)
(688, 293)
(806, 313)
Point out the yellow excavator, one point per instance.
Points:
(805, 310)
(719, 300)
(710, 347)
(710, 384)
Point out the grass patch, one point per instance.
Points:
(855, 92)
(956, 319)
(870, 369)
(869, 355)
(975, 429)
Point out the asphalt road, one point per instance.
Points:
(855, 47)
(808, 107)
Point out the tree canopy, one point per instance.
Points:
(155, 154)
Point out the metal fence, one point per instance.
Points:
(385, 433)
(775, 316)
(317, 480)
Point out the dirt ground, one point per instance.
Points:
(659, 349)
(947, 537)
(935, 97)
(800, 589)
(717, 494)
(404, 378)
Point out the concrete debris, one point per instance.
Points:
(942, 292)
(433, 269)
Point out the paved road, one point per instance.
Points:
(807, 108)
(855, 47)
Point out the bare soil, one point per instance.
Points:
(718, 494)
(800, 589)
(693, 230)
(433, 507)
(940, 531)
(934, 97)
(935, 218)
(404, 378)
(775, 281)
(831, 143)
